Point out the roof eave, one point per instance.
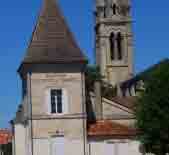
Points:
(112, 136)
(22, 65)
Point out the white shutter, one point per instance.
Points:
(74, 147)
(97, 148)
(41, 147)
(58, 145)
(109, 149)
(123, 148)
(47, 101)
(65, 101)
(134, 148)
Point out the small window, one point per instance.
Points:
(119, 46)
(112, 42)
(56, 101)
(114, 9)
(104, 12)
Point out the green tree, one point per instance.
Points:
(92, 74)
(6, 149)
(152, 112)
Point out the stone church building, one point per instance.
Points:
(53, 117)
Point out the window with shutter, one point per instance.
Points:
(56, 101)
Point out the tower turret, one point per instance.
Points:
(114, 48)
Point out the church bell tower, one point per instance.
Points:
(114, 40)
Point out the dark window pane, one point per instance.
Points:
(114, 9)
(119, 40)
(59, 101)
(112, 40)
(53, 101)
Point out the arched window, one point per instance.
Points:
(104, 12)
(119, 45)
(112, 46)
(114, 9)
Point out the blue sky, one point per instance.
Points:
(150, 27)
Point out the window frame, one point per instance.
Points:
(49, 104)
(117, 42)
(112, 41)
(56, 101)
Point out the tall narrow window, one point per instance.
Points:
(97, 29)
(112, 46)
(114, 9)
(119, 45)
(56, 101)
(104, 12)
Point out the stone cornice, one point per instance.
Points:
(115, 21)
(64, 116)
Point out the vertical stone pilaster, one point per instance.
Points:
(98, 100)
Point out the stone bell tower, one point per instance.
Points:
(114, 40)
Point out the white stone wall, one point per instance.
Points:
(20, 147)
(46, 126)
(52, 146)
(114, 147)
(41, 146)
(43, 82)
(112, 110)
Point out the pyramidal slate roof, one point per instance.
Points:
(52, 41)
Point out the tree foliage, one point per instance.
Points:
(92, 74)
(108, 91)
(152, 112)
(6, 149)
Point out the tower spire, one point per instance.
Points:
(52, 41)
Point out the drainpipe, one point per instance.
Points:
(13, 139)
(30, 109)
(84, 112)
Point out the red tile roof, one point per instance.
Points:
(5, 136)
(109, 128)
